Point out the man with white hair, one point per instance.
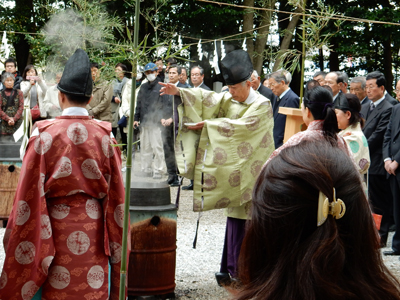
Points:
(285, 98)
(358, 88)
(263, 90)
(337, 82)
(222, 143)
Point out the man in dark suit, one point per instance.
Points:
(285, 98)
(336, 81)
(357, 87)
(397, 91)
(197, 78)
(390, 99)
(391, 156)
(377, 116)
(183, 77)
(169, 118)
(263, 90)
(320, 77)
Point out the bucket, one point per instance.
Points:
(152, 260)
(10, 168)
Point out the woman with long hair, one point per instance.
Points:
(351, 123)
(34, 90)
(118, 85)
(319, 115)
(311, 235)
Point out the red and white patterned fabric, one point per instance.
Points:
(313, 132)
(66, 222)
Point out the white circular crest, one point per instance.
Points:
(95, 277)
(73, 192)
(77, 133)
(63, 168)
(93, 208)
(23, 213)
(29, 290)
(78, 242)
(119, 215)
(106, 146)
(45, 231)
(41, 184)
(116, 252)
(3, 280)
(59, 211)
(59, 277)
(90, 169)
(46, 264)
(25, 253)
(43, 143)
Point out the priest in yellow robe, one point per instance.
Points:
(223, 140)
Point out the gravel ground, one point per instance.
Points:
(195, 268)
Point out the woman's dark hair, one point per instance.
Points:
(122, 66)
(355, 108)
(319, 102)
(27, 68)
(309, 86)
(285, 255)
(312, 84)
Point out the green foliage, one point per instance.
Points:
(316, 36)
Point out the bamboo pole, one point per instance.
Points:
(129, 162)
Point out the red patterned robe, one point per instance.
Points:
(66, 222)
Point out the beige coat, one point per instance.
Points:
(101, 101)
(41, 92)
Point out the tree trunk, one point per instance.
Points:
(262, 38)
(23, 13)
(333, 56)
(287, 39)
(387, 64)
(321, 59)
(296, 75)
(248, 21)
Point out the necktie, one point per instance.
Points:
(372, 107)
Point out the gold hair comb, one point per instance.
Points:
(336, 208)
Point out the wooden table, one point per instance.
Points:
(294, 121)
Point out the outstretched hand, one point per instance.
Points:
(169, 89)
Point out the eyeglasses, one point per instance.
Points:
(196, 74)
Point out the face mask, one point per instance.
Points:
(139, 76)
(151, 77)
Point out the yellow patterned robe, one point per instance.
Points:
(226, 156)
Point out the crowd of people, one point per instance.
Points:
(298, 210)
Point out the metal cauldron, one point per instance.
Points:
(151, 269)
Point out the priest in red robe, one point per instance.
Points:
(65, 227)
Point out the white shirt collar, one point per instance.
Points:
(196, 87)
(75, 111)
(250, 98)
(377, 102)
(284, 93)
(334, 97)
